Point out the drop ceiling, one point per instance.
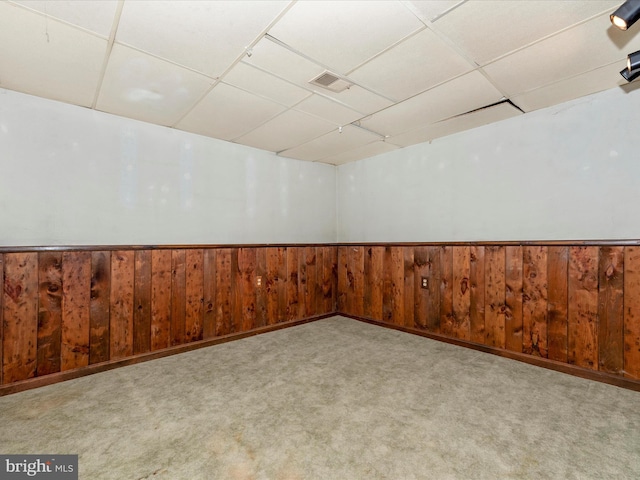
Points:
(240, 71)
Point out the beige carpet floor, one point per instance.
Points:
(333, 399)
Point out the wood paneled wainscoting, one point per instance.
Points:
(569, 306)
(69, 311)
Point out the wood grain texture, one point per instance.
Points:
(49, 312)
(409, 287)
(434, 290)
(142, 302)
(261, 291)
(534, 305)
(224, 292)
(446, 291)
(76, 300)
(236, 294)
(293, 309)
(343, 279)
(209, 293)
(283, 281)
(2, 318)
(302, 281)
(100, 306)
(121, 303)
(271, 285)
(376, 281)
(557, 293)
(333, 251)
(160, 299)
(397, 285)
(20, 312)
(308, 261)
(476, 279)
(461, 292)
(194, 290)
(421, 295)
(611, 310)
(247, 288)
(632, 312)
(513, 298)
(495, 286)
(387, 286)
(583, 307)
(357, 280)
(178, 297)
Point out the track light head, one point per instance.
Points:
(630, 76)
(633, 61)
(626, 15)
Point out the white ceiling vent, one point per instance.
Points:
(330, 81)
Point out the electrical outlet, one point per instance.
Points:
(425, 282)
(258, 281)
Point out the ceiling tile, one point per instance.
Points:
(140, 86)
(205, 36)
(264, 84)
(48, 58)
(287, 130)
(461, 95)
(488, 29)
(411, 67)
(430, 9)
(348, 32)
(290, 66)
(358, 153)
(331, 144)
(228, 112)
(594, 81)
(583, 48)
(327, 109)
(94, 15)
(471, 120)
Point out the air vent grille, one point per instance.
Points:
(330, 81)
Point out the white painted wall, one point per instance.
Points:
(73, 176)
(567, 172)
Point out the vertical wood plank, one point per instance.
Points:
(161, 274)
(334, 278)
(194, 292)
(271, 285)
(236, 293)
(397, 285)
(319, 294)
(476, 279)
(632, 312)
(310, 296)
(76, 299)
(557, 292)
(2, 319)
(20, 311)
(513, 298)
(611, 310)
(178, 296)
(461, 292)
(343, 279)
(376, 279)
(583, 307)
(246, 288)
(49, 312)
(387, 286)
(142, 302)
(446, 290)
(409, 287)
(368, 284)
(283, 281)
(121, 304)
(356, 281)
(328, 284)
(99, 306)
(224, 299)
(534, 301)
(209, 293)
(261, 291)
(302, 281)
(434, 290)
(421, 295)
(495, 285)
(293, 310)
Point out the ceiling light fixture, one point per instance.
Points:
(633, 67)
(626, 15)
(630, 76)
